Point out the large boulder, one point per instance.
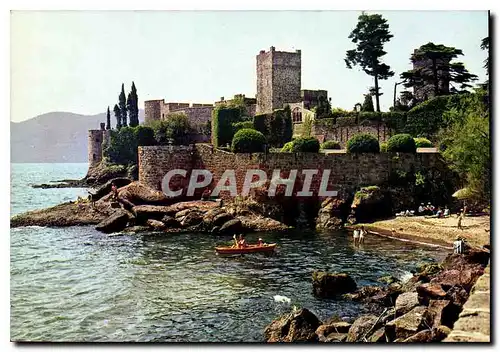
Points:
(333, 332)
(472, 257)
(298, 326)
(328, 285)
(370, 203)
(181, 214)
(387, 295)
(221, 218)
(430, 335)
(192, 218)
(116, 222)
(406, 302)
(465, 278)
(208, 217)
(430, 291)
(406, 325)
(331, 213)
(260, 223)
(231, 227)
(146, 212)
(364, 293)
(362, 328)
(137, 193)
(169, 221)
(441, 312)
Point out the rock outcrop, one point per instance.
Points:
(298, 326)
(331, 214)
(329, 285)
(116, 222)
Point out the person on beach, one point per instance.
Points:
(421, 209)
(355, 235)
(460, 218)
(446, 211)
(362, 234)
(458, 245)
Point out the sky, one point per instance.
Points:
(76, 61)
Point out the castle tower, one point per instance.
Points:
(152, 110)
(95, 140)
(426, 91)
(278, 79)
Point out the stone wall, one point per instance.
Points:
(342, 134)
(95, 139)
(348, 171)
(198, 116)
(152, 110)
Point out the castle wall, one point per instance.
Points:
(348, 171)
(342, 134)
(264, 82)
(153, 110)
(95, 139)
(198, 116)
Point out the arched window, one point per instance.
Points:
(297, 115)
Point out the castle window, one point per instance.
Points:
(297, 115)
(93, 156)
(97, 140)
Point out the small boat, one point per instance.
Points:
(252, 248)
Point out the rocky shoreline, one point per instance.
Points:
(423, 309)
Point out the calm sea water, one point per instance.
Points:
(76, 284)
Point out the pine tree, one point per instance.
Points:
(132, 106)
(438, 71)
(122, 103)
(118, 116)
(108, 120)
(370, 35)
(368, 103)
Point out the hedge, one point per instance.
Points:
(403, 143)
(383, 147)
(260, 124)
(422, 143)
(243, 124)
(305, 145)
(331, 145)
(363, 143)
(222, 125)
(277, 126)
(248, 141)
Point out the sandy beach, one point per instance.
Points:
(476, 230)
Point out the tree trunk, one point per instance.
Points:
(376, 93)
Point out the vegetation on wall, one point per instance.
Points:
(276, 127)
(223, 119)
(403, 143)
(422, 142)
(331, 145)
(175, 129)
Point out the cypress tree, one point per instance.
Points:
(122, 103)
(118, 116)
(132, 106)
(108, 120)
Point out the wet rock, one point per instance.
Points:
(406, 302)
(362, 328)
(169, 221)
(208, 218)
(215, 230)
(192, 218)
(330, 214)
(429, 291)
(116, 222)
(260, 223)
(221, 218)
(363, 294)
(472, 257)
(387, 296)
(328, 285)
(298, 326)
(181, 214)
(389, 279)
(155, 224)
(231, 226)
(457, 295)
(406, 325)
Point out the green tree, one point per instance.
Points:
(368, 104)
(439, 69)
(122, 104)
(108, 120)
(132, 106)
(370, 35)
(175, 129)
(466, 144)
(118, 116)
(324, 108)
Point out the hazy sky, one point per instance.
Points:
(76, 61)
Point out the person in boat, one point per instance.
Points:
(355, 235)
(260, 242)
(362, 234)
(241, 242)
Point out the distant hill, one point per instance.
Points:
(55, 137)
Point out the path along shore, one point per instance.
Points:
(476, 230)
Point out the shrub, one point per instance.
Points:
(395, 120)
(243, 124)
(383, 147)
(305, 145)
(338, 112)
(331, 145)
(403, 143)
(277, 126)
(422, 143)
(248, 141)
(287, 148)
(369, 116)
(145, 135)
(222, 126)
(259, 123)
(363, 143)
(175, 128)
